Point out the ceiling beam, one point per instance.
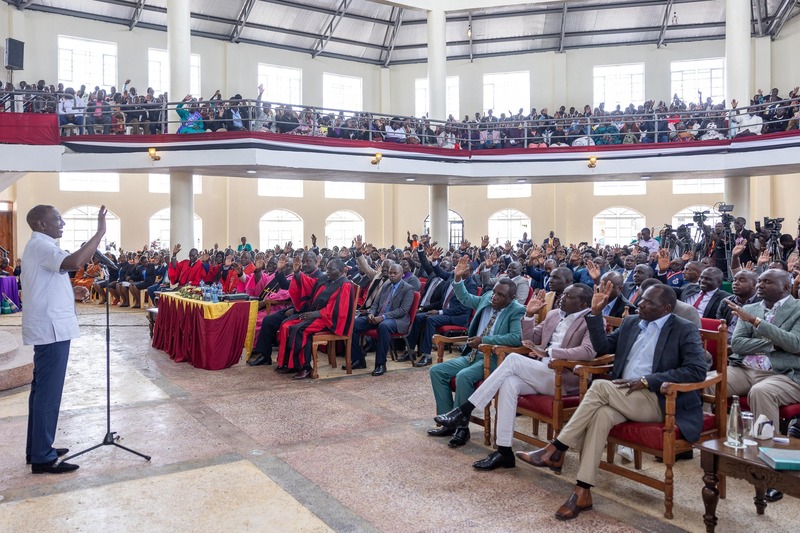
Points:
(241, 20)
(783, 17)
(755, 8)
(563, 29)
(469, 34)
(137, 14)
(327, 11)
(398, 21)
(23, 4)
(320, 45)
(664, 24)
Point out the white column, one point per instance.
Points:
(181, 210)
(738, 86)
(386, 91)
(437, 95)
(440, 229)
(179, 45)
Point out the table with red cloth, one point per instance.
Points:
(29, 128)
(204, 334)
(9, 287)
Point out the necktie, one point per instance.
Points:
(696, 304)
(489, 325)
(389, 300)
(635, 296)
(448, 297)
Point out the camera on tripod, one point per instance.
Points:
(771, 225)
(700, 216)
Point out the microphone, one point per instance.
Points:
(103, 260)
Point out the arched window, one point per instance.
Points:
(279, 227)
(455, 227)
(617, 225)
(508, 225)
(159, 231)
(80, 223)
(686, 216)
(341, 227)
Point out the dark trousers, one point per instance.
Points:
(268, 336)
(44, 402)
(385, 330)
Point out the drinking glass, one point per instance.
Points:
(747, 428)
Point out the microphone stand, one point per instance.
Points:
(109, 439)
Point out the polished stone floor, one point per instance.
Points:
(245, 449)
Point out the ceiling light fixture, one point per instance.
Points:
(153, 154)
(377, 158)
(469, 32)
(593, 161)
(645, 177)
(411, 179)
(251, 171)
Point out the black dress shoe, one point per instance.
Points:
(495, 460)
(379, 370)
(460, 438)
(356, 365)
(425, 360)
(304, 373)
(280, 369)
(441, 432)
(683, 456)
(404, 358)
(773, 495)
(259, 360)
(284, 370)
(53, 468)
(60, 452)
(454, 419)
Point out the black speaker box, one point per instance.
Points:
(15, 54)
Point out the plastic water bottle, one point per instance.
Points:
(214, 293)
(735, 434)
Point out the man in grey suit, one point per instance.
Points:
(497, 320)
(652, 348)
(562, 335)
(765, 364)
(513, 272)
(388, 314)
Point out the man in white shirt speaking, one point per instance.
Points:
(49, 323)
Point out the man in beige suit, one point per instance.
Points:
(562, 335)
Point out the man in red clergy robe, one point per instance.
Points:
(324, 304)
(189, 271)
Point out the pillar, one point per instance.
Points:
(181, 211)
(738, 87)
(386, 91)
(437, 96)
(440, 227)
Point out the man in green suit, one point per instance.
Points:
(497, 320)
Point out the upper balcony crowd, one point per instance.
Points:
(126, 111)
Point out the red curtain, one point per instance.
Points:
(29, 128)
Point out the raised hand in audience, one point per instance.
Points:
(175, 250)
(687, 256)
(313, 240)
(288, 248)
(358, 242)
(259, 264)
(296, 264)
(461, 270)
(507, 247)
(594, 271)
(536, 303)
(764, 258)
(228, 261)
(750, 266)
(600, 298)
(663, 260)
(464, 245)
(739, 249)
(436, 253)
(278, 249)
(204, 257)
(484, 241)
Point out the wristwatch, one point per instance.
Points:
(756, 323)
(644, 382)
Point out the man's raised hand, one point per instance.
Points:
(600, 298)
(461, 270)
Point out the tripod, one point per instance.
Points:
(109, 439)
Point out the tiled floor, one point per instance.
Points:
(245, 449)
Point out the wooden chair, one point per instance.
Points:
(456, 331)
(554, 410)
(330, 339)
(373, 333)
(486, 421)
(663, 439)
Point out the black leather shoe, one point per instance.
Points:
(441, 432)
(284, 370)
(773, 495)
(53, 468)
(304, 373)
(259, 360)
(60, 452)
(425, 360)
(404, 358)
(453, 419)
(460, 438)
(356, 365)
(379, 370)
(495, 460)
(683, 456)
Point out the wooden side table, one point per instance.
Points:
(720, 460)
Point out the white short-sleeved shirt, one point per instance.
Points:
(49, 312)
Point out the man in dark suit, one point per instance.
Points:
(388, 314)
(452, 312)
(617, 303)
(744, 293)
(498, 320)
(652, 348)
(706, 296)
(631, 290)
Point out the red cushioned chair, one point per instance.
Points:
(454, 331)
(373, 333)
(663, 439)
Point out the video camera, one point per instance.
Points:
(771, 225)
(700, 216)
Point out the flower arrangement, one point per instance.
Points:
(192, 293)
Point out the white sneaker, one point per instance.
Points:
(626, 453)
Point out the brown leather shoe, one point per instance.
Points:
(581, 500)
(548, 456)
(303, 374)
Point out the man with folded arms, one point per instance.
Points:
(562, 335)
(497, 320)
(652, 348)
(765, 364)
